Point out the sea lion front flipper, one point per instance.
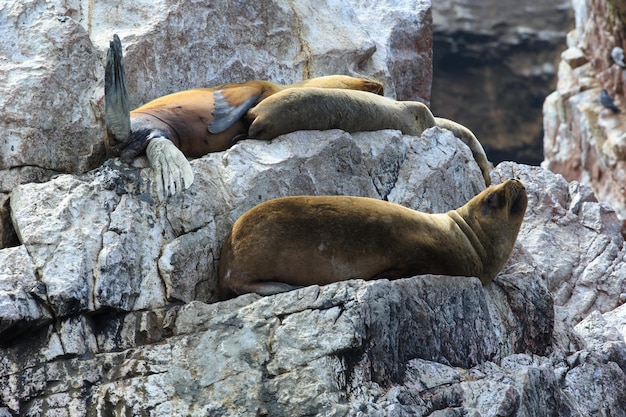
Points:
(230, 104)
(172, 171)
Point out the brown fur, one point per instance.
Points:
(184, 117)
(312, 108)
(291, 242)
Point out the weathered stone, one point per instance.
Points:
(135, 255)
(49, 99)
(101, 303)
(353, 345)
(22, 296)
(292, 353)
(584, 141)
(494, 63)
(574, 57)
(402, 31)
(51, 104)
(589, 272)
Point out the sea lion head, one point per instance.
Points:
(495, 216)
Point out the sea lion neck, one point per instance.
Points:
(471, 236)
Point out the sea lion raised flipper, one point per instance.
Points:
(116, 103)
(172, 171)
(230, 105)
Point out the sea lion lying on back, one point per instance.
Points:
(311, 108)
(180, 125)
(290, 242)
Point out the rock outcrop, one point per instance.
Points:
(584, 140)
(107, 296)
(52, 71)
(105, 302)
(494, 63)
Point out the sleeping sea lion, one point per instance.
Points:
(311, 108)
(291, 242)
(188, 123)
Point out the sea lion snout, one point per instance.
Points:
(509, 196)
(517, 196)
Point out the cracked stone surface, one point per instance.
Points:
(128, 329)
(99, 241)
(52, 71)
(107, 298)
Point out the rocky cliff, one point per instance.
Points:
(494, 63)
(584, 140)
(107, 297)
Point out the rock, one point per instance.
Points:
(50, 97)
(589, 272)
(289, 354)
(422, 345)
(574, 57)
(402, 31)
(100, 241)
(107, 301)
(482, 52)
(57, 52)
(583, 141)
(22, 300)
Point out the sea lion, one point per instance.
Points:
(290, 242)
(311, 108)
(188, 123)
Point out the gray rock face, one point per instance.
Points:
(117, 261)
(52, 71)
(49, 91)
(584, 141)
(107, 299)
(119, 325)
(402, 31)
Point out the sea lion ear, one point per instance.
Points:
(230, 106)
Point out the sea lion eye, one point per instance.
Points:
(490, 203)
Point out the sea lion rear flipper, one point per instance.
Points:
(269, 287)
(116, 103)
(230, 106)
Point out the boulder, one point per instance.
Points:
(100, 240)
(107, 296)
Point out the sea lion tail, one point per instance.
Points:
(471, 141)
(116, 103)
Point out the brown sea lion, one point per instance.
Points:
(291, 242)
(189, 123)
(311, 108)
